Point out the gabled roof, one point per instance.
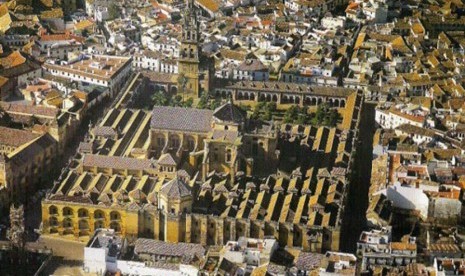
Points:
(167, 160)
(179, 118)
(15, 137)
(12, 60)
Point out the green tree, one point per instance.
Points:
(203, 102)
(320, 114)
(325, 116)
(159, 98)
(188, 103)
(244, 107)
(302, 117)
(334, 117)
(176, 101)
(216, 103)
(257, 109)
(291, 114)
(269, 108)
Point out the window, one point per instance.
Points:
(160, 141)
(174, 142)
(228, 155)
(191, 144)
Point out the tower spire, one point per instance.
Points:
(190, 6)
(188, 63)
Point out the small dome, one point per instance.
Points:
(228, 112)
(176, 189)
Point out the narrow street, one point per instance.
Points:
(33, 212)
(354, 220)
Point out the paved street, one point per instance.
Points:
(68, 257)
(354, 216)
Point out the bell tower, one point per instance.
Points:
(188, 63)
(175, 205)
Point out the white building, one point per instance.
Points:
(418, 134)
(375, 248)
(367, 11)
(393, 118)
(92, 6)
(20, 68)
(338, 263)
(141, 268)
(445, 208)
(249, 251)
(106, 71)
(102, 251)
(374, 241)
(333, 23)
(251, 69)
(101, 14)
(105, 250)
(156, 62)
(408, 198)
(61, 50)
(15, 40)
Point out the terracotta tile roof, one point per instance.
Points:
(167, 160)
(233, 54)
(22, 155)
(403, 246)
(12, 60)
(229, 112)
(418, 119)
(3, 81)
(181, 249)
(96, 67)
(17, 64)
(47, 3)
(225, 135)
(3, 9)
(444, 247)
(179, 118)
(209, 5)
(252, 65)
(117, 162)
(61, 37)
(411, 129)
(105, 131)
(15, 137)
(23, 109)
(84, 24)
(176, 189)
(53, 13)
(352, 6)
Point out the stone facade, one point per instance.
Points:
(156, 175)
